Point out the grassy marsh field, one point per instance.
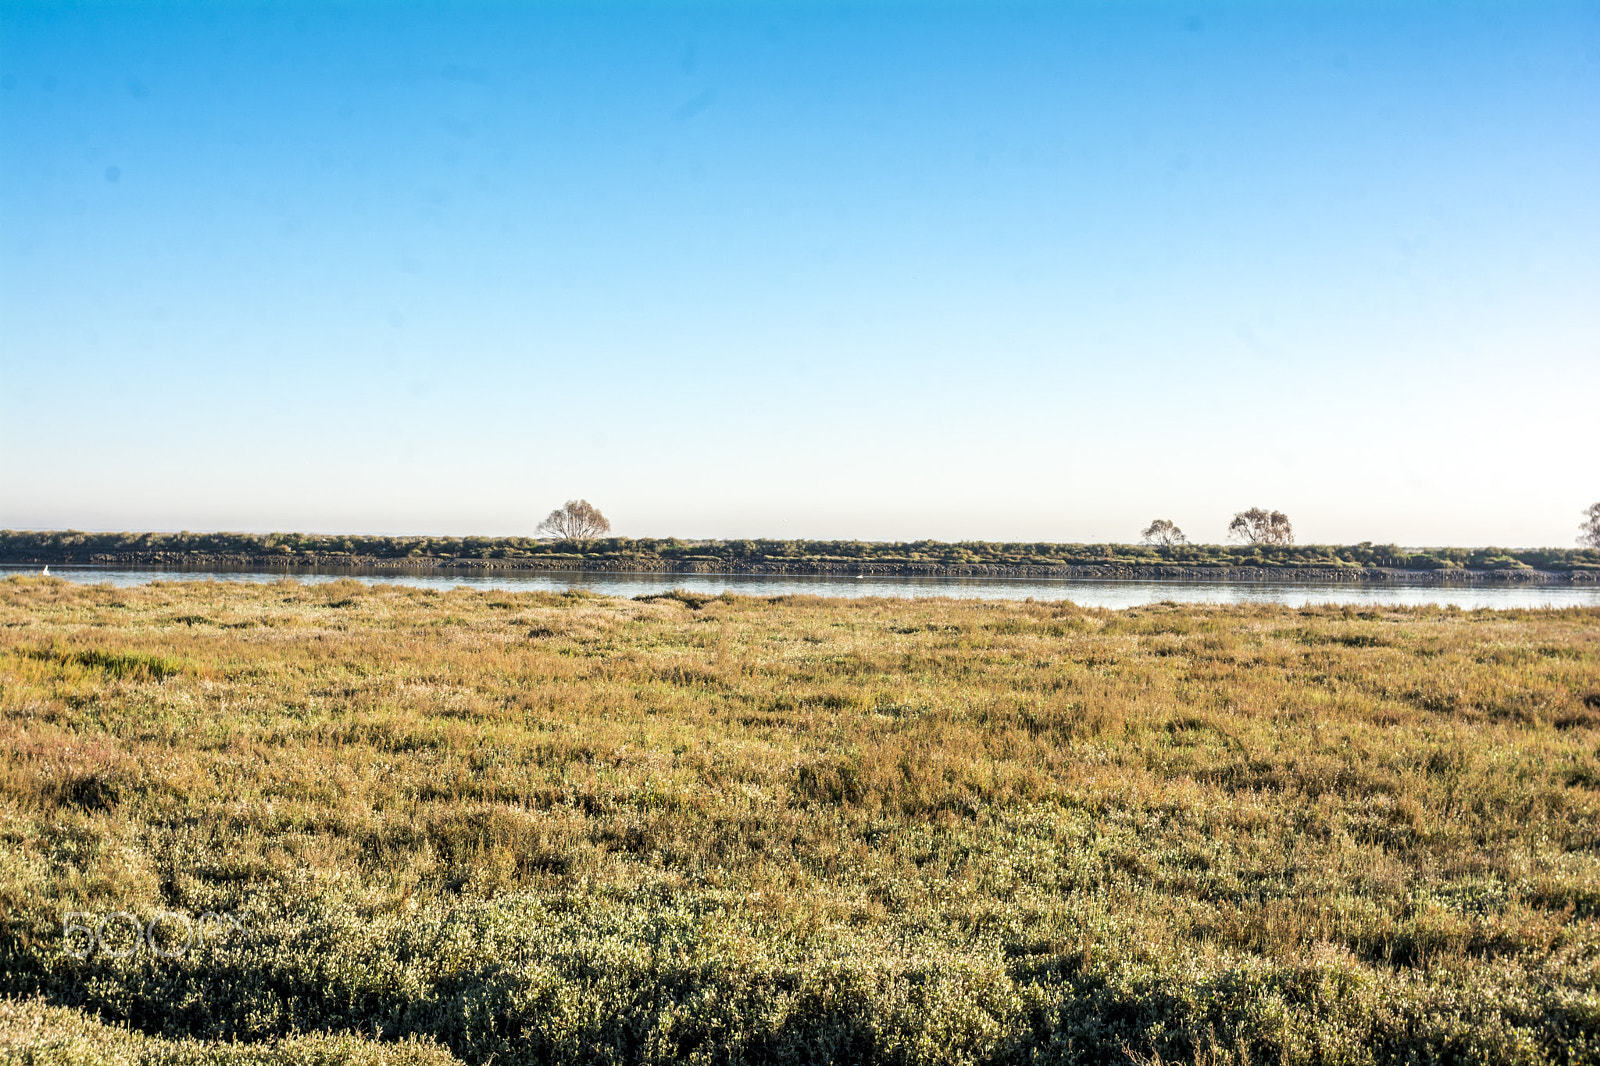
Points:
(530, 827)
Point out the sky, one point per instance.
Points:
(877, 271)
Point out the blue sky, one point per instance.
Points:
(882, 270)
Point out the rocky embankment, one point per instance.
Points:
(1356, 575)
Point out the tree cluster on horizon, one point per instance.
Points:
(1589, 530)
(577, 520)
(580, 520)
(1255, 526)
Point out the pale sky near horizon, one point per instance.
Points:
(850, 270)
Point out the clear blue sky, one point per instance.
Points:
(880, 270)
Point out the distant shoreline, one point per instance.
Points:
(1346, 564)
(1113, 571)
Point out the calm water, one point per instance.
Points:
(1086, 593)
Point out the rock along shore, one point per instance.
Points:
(1110, 571)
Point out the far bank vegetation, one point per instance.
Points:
(72, 546)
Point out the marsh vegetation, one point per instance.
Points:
(560, 828)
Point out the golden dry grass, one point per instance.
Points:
(565, 828)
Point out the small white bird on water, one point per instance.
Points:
(46, 571)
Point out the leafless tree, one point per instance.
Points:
(1256, 526)
(575, 520)
(1589, 531)
(1163, 533)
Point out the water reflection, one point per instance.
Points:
(1086, 593)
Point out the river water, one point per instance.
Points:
(1083, 592)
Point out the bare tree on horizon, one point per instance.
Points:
(575, 520)
(1164, 534)
(1589, 531)
(1257, 526)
